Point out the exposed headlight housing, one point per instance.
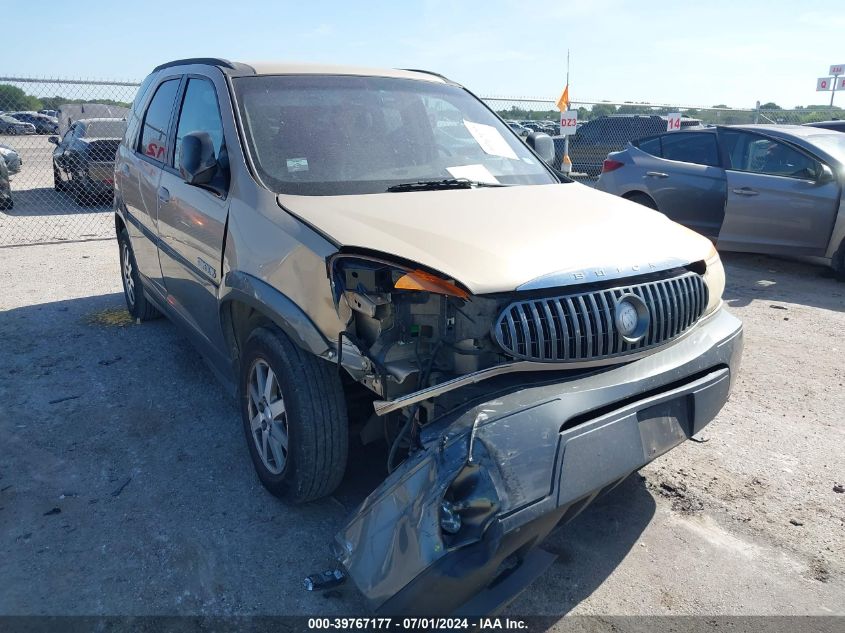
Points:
(714, 277)
(373, 274)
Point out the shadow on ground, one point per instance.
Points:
(47, 201)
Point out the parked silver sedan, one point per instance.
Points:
(754, 188)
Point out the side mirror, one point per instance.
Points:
(54, 140)
(197, 164)
(542, 144)
(825, 176)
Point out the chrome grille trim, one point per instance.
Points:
(582, 326)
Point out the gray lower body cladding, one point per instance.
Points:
(515, 466)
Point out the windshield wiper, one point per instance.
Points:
(448, 183)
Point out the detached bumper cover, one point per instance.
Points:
(521, 463)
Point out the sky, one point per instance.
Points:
(685, 53)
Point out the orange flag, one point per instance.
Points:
(563, 102)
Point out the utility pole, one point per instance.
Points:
(565, 163)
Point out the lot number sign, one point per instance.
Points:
(673, 121)
(568, 122)
(823, 84)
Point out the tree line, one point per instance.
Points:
(13, 99)
(720, 114)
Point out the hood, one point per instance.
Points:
(503, 238)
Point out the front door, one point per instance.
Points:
(776, 202)
(192, 220)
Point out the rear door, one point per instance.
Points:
(686, 179)
(138, 172)
(775, 201)
(192, 219)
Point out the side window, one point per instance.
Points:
(651, 146)
(761, 155)
(200, 113)
(156, 119)
(698, 148)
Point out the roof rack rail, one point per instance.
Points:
(428, 72)
(210, 61)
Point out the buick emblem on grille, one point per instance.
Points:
(631, 317)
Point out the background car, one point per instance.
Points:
(11, 158)
(43, 123)
(83, 161)
(519, 129)
(52, 113)
(835, 125)
(10, 125)
(764, 189)
(595, 139)
(5, 188)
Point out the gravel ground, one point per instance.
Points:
(126, 487)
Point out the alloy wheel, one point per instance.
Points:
(267, 416)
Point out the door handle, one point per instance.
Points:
(163, 195)
(746, 191)
(656, 174)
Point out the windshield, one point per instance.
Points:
(105, 129)
(833, 144)
(335, 135)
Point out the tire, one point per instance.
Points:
(643, 199)
(133, 290)
(7, 204)
(81, 196)
(58, 183)
(839, 263)
(311, 418)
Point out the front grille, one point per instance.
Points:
(582, 327)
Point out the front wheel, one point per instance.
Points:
(81, 195)
(58, 183)
(294, 417)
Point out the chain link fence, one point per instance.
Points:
(58, 139)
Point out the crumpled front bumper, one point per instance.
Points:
(515, 466)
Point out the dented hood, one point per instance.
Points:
(498, 239)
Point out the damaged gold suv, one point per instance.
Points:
(376, 252)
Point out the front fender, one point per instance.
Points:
(249, 290)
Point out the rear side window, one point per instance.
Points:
(651, 146)
(700, 149)
(156, 120)
(200, 113)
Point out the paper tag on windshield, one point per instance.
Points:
(476, 173)
(490, 139)
(297, 164)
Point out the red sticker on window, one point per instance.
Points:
(155, 150)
